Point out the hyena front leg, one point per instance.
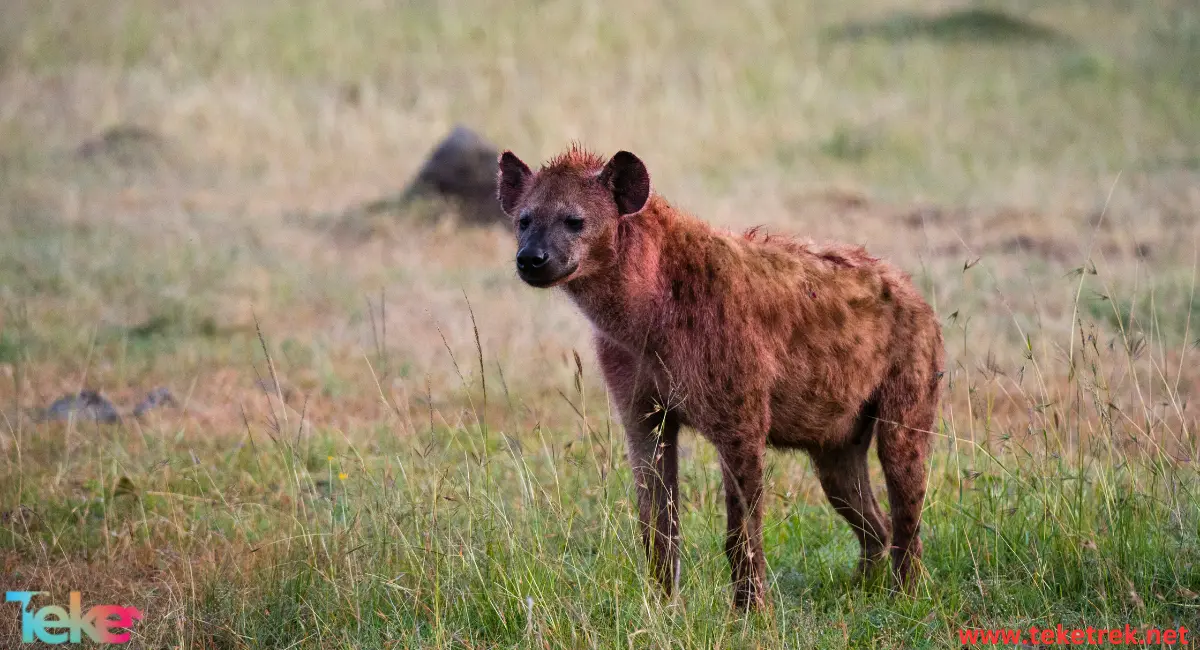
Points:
(653, 453)
(742, 474)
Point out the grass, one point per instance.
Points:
(388, 441)
(457, 535)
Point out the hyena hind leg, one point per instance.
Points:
(844, 477)
(905, 429)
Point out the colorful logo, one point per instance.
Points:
(54, 625)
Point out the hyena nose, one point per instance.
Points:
(530, 259)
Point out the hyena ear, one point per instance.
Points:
(626, 177)
(511, 180)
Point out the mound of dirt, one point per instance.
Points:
(91, 406)
(461, 169)
(458, 179)
(460, 174)
(125, 152)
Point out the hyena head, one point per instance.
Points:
(567, 214)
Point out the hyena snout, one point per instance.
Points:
(532, 259)
(538, 266)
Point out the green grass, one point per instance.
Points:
(1169, 309)
(459, 537)
(362, 460)
(415, 534)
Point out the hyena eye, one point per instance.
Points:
(574, 222)
(523, 222)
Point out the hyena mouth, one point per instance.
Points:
(547, 279)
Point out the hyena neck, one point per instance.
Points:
(626, 302)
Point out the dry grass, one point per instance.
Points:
(1038, 177)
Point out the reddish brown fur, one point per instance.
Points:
(752, 340)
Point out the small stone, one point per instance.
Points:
(156, 398)
(87, 405)
(125, 145)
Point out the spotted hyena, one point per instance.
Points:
(751, 340)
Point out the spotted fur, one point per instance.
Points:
(753, 340)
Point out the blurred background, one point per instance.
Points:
(182, 165)
(153, 149)
(176, 176)
(239, 203)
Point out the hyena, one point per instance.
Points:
(751, 340)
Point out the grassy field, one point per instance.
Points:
(387, 440)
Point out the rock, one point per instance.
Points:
(87, 405)
(461, 169)
(965, 25)
(154, 399)
(22, 517)
(126, 145)
(460, 173)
